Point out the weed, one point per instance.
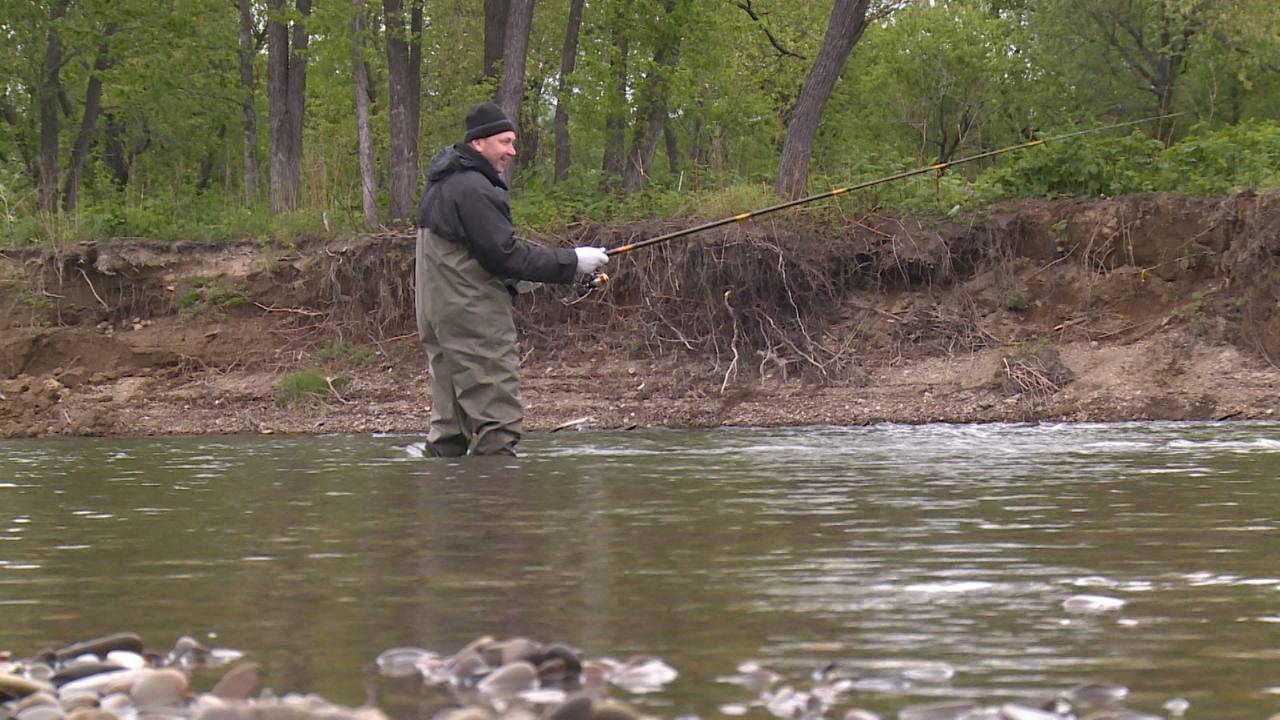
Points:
(34, 300)
(188, 300)
(298, 387)
(343, 352)
(210, 294)
(1014, 301)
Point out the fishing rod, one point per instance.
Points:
(598, 279)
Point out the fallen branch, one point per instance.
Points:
(92, 290)
(297, 311)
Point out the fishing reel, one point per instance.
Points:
(594, 281)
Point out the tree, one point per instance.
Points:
(511, 90)
(404, 69)
(942, 74)
(287, 41)
(651, 110)
(848, 21)
(364, 134)
(615, 104)
(1149, 39)
(496, 16)
(51, 101)
(250, 45)
(568, 59)
(89, 118)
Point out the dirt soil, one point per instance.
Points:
(1143, 307)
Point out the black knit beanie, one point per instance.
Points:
(485, 119)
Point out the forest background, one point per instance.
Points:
(240, 118)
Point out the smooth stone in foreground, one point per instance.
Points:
(102, 646)
(1092, 604)
(16, 687)
(950, 710)
(159, 688)
(575, 708)
(79, 670)
(510, 680)
(402, 661)
(238, 684)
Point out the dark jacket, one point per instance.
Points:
(465, 201)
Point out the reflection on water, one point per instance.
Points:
(928, 563)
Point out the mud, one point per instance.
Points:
(1143, 307)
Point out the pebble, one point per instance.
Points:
(1092, 604)
(102, 646)
(15, 687)
(41, 712)
(947, 710)
(238, 684)
(166, 687)
(575, 708)
(114, 678)
(83, 669)
(1015, 711)
(509, 680)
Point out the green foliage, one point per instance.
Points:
(31, 299)
(210, 294)
(925, 77)
(307, 385)
(165, 217)
(1206, 162)
(933, 79)
(344, 353)
(1014, 300)
(1221, 161)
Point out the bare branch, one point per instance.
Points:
(746, 6)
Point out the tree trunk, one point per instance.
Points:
(652, 111)
(92, 103)
(530, 128)
(404, 61)
(496, 13)
(210, 158)
(364, 137)
(248, 104)
(511, 89)
(615, 114)
(286, 96)
(673, 148)
(848, 20)
(568, 58)
(298, 94)
(50, 121)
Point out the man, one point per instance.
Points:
(468, 260)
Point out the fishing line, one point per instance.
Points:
(599, 279)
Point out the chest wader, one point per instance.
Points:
(466, 328)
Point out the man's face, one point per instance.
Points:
(497, 149)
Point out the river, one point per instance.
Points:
(923, 563)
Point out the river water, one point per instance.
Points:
(927, 563)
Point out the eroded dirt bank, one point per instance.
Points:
(1145, 307)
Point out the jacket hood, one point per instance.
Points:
(459, 158)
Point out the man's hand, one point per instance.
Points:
(590, 258)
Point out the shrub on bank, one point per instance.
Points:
(312, 384)
(1205, 162)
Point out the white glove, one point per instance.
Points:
(590, 258)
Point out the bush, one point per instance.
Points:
(307, 385)
(343, 352)
(1206, 162)
(210, 294)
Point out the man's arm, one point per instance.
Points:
(486, 219)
